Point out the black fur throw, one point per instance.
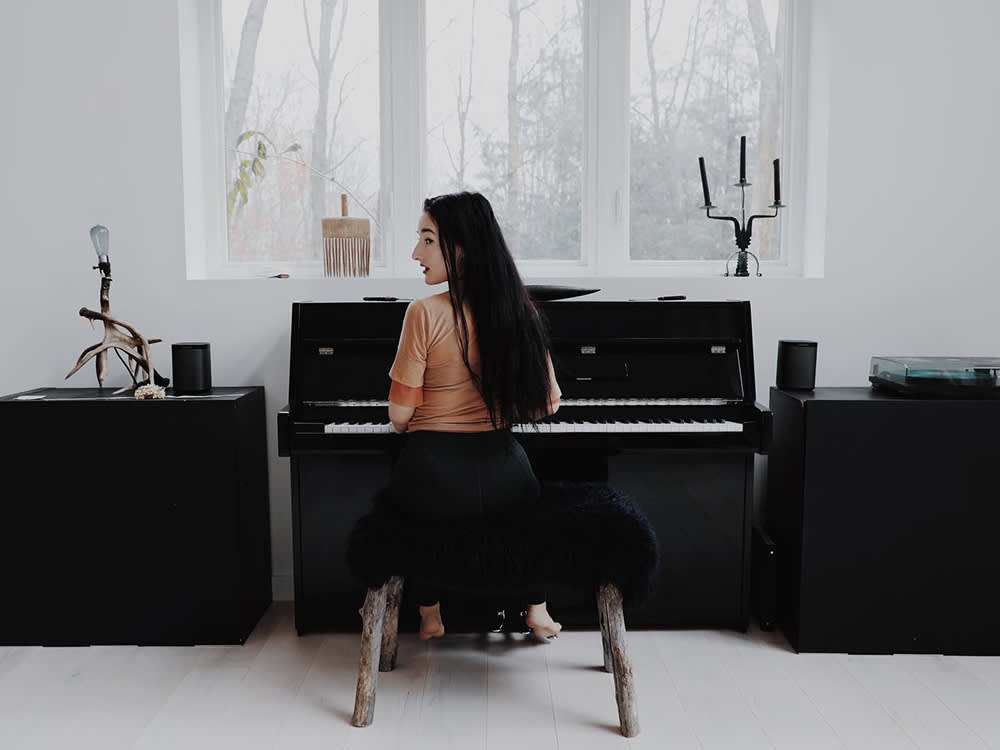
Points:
(577, 533)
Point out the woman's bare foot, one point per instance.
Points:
(541, 622)
(431, 625)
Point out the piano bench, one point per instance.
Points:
(583, 533)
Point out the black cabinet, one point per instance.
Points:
(885, 514)
(133, 522)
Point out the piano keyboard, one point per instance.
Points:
(685, 426)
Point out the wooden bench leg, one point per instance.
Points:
(373, 616)
(390, 627)
(610, 603)
(602, 617)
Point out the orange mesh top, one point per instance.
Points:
(429, 373)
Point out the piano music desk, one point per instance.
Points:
(139, 522)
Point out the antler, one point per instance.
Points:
(115, 339)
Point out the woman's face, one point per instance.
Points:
(428, 252)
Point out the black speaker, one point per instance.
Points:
(192, 368)
(796, 365)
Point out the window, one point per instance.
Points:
(701, 73)
(505, 115)
(301, 123)
(581, 120)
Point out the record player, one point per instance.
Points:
(943, 377)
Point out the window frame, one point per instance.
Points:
(402, 98)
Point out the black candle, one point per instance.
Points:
(743, 159)
(704, 180)
(777, 184)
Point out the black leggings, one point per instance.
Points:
(462, 475)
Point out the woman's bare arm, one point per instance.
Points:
(400, 416)
(555, 393)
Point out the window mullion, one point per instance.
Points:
(203, 154)
(403, 97)
(607, 183)
(806, 130)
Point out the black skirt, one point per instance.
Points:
(462, 475)
(455, 476)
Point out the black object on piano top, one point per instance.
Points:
(544, 292)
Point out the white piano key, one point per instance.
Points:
(348, 402)
(367, 428)
(692, 426)
(567, 427)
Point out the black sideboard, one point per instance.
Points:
(885, 514)
(133, 522)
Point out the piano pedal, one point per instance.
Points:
(502, 614)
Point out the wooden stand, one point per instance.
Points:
(379, 645)
(390, 629)
(609, 603)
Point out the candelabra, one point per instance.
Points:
(743, 226)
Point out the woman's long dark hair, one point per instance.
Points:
(511, 333)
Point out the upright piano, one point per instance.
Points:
(658, 400)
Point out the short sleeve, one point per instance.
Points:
(411, 354)
(403, 395)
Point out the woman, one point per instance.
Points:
(472, 362)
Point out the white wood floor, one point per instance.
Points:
(696, 689)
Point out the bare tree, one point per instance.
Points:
(323, 59)
(666, 115)
(514, 9)
(276, 222)
(651, 29)
(239, 94)
(691, 60)
(463, 100)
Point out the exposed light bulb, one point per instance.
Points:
(100, 236)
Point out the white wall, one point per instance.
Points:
(90, 134)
